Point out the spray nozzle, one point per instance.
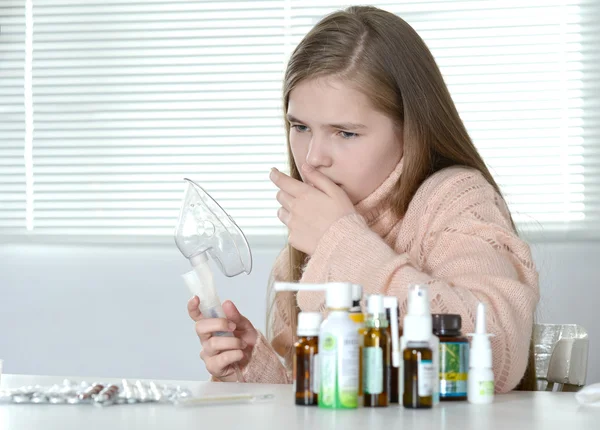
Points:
(417, 321)
(480, 354)
(480, 321)
(338, 295)
(480, 326)
(204, 227)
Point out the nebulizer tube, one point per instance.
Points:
(204, 229)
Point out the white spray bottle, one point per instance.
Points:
(203, 229)
(338, 345)
(420, 312)
(480, 384)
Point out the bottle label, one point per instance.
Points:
(348, 374)
(373, 370)
(454, 368)
(425, 377)
(338, 362)
(314, 374)
(486, 388)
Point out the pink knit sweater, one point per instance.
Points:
(456, 236)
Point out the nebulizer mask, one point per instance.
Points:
(204, 229)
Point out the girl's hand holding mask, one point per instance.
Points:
(309, 210)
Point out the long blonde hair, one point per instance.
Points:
(382, 56)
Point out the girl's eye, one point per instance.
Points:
(300, 128)
(348, 135)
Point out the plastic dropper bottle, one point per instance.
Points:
(376, 355)
(480, 385)
(306, 371)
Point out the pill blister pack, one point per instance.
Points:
(96, 393)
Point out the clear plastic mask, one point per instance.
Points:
(205, 227)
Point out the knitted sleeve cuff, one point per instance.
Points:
(265, 365)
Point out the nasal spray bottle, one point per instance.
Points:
(416, 321)
(338, 345)
(480, 384)
(203, 229)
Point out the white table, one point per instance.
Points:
(514, 411)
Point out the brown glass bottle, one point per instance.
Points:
(306, 369)
(376, 356)
(305, 372)
(418, 376)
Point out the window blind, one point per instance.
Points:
(130, 96)
(12, 116)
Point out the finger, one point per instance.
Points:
(284, 216)
(193, 307)
(284, 199)
(319, 180)
(218, 344)
(207, 326)
(288, 184)
(219, 364)
(233, 314)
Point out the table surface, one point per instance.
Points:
(539, 410)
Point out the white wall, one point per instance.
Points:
(121, 311)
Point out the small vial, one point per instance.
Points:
(418, 375)
(376, 355)
(306, 364)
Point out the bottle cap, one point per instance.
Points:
(309, 323)
(375, 305)
(446, 324)
(338, 295)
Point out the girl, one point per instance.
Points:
(386, 189)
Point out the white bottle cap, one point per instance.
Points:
(357, 292)
(480, 352)
(309, 323)
(417, 322)
(338, 295)
(375, 305)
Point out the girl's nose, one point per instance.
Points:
(319, 153)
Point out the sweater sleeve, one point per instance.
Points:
(463, 247)
(270, 362)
